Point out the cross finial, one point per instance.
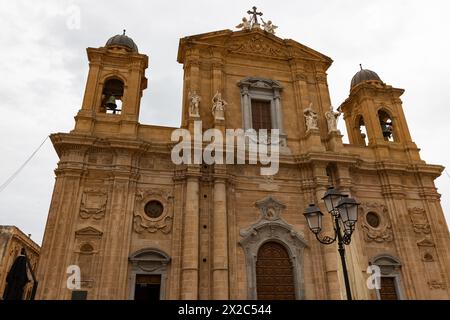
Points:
(124, 30)
(254, 15)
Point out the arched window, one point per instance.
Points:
(361, 132)
(390, 281)
(112, 96)
(386, 124)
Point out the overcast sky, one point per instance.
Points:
(43, 68)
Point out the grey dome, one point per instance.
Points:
(122, 40)
(364, 75)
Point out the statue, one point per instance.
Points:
(332, 119)
(218, 109)
(244, 25)
(269, 27)
(310, 118)
(194, 102)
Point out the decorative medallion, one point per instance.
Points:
(153, 211)
(375, 222)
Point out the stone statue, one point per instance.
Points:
(310, 118)
(269, 27)
(244, 25)
(332, 119)
(194, 102)
(218, 109)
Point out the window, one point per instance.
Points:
(261, 118)
(373, 219)
(361, 132)
(154, 209)
(261, 105)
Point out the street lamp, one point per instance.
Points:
(344, 214)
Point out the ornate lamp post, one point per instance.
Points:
(344, 214)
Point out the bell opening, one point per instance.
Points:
(386, 124)
(112, 96)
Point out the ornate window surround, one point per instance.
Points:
(256, 88)
(272, 228)
(149, 261)
(390, 268)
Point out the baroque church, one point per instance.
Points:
(137, 226)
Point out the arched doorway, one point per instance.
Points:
(274, 273)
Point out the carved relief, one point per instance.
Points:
(419, 220)
(142, 221)
(257, 45)
(93, 204)
(380, 231)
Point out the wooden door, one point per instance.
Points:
(274, 273)
(388, 289)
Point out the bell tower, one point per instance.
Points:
(374, 116)
(114, 89)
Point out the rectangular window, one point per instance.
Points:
(388, 290)
(261, 117)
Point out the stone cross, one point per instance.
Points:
(254, 15)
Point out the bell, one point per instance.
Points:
(386, 128)
(111, 103)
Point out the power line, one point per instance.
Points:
(15, 174)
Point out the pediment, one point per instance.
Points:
(425, 243)
(89, 231)
(253, 42)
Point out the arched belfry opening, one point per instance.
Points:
(387, 125)
(112, 96)
(361, 132)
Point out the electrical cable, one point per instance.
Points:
(16, 173)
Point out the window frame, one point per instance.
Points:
(256, 88)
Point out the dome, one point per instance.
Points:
(122, 40)
(364, 75)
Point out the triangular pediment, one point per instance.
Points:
(89, 231)
(254, 42)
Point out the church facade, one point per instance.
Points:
(139, 226)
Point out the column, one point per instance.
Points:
(190, 256)
(220, 243)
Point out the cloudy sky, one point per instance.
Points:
(43, 68)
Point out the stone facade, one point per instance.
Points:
(121, 208)
(12, 241)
